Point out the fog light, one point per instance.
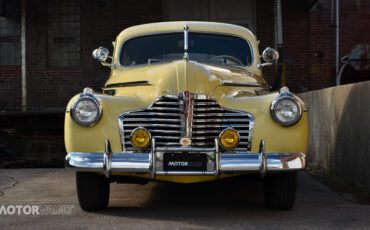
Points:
(140, 138)
(229, 138)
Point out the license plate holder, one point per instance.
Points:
(185, 162)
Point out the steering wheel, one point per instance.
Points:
(234, 59)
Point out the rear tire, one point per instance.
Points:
(280, 190)
(92, 191)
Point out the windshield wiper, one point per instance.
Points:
(151, 60)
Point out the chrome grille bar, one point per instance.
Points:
(198, 117)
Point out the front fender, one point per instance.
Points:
(277, 138)
(91, 139)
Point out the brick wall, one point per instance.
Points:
(266, 32)
(295, 36)
(354, 29)
(52, 87)
(309, 45)
(10, 87)
(309, 42)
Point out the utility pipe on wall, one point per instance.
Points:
(337, 42)
(23, 53)
(279, 24)
(277, 83)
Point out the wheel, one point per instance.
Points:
(280, 190)
(92, 191)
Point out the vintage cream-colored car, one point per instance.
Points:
(185, 102)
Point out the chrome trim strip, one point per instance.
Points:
(127, 84)
(107, 162)
(262, 159)
(188, 103)
(217, 158)
(122, 131)
(153, 168)
(153, 119)
(185, 173)
(184, 149)
(244, 84)
(153, 125)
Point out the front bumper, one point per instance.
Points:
(130, 162)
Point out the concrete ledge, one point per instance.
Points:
(339, 120)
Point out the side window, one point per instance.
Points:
(64, 33)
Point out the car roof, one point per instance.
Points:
(178, 26)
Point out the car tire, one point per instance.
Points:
(280, 190)
(92, 191)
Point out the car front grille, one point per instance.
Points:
(198, 117)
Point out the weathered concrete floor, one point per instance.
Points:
(225, 205)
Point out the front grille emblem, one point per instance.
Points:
(185, 141)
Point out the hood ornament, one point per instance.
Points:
(186, 42)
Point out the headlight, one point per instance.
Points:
(140, 138)
(229, 138)
(286, 110)
(86, 110)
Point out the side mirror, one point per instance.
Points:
(269, 55)
(102, 54)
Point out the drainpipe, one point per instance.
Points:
(277, 82)
(337, 43)
(23, 53)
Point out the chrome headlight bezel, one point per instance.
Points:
(277, 100)
(86, 97)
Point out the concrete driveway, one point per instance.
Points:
(222, 205)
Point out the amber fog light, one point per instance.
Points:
(229, 138)
(140, 138)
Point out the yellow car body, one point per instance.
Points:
(233, 87)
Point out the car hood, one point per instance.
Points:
(179, 76)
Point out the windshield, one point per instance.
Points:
(203, 47)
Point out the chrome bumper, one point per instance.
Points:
(130, 162)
